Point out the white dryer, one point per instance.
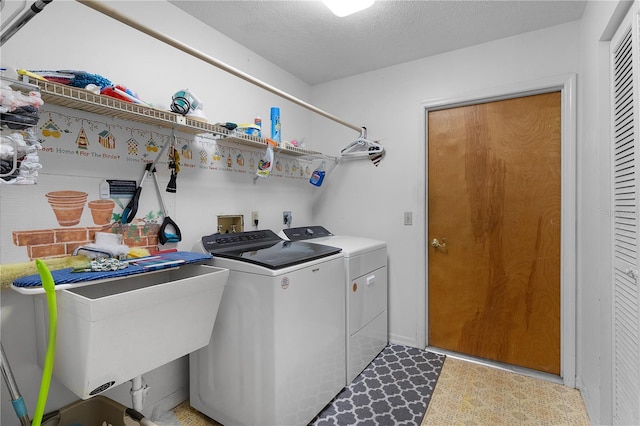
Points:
(276, 355)
(365, 263)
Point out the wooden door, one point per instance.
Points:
(494, 204)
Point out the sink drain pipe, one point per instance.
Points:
(138, 392)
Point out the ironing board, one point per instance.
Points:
(65, 278)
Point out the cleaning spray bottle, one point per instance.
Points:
(276, 127)
(266, 163)
(318, 175)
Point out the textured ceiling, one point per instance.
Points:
(306, 39)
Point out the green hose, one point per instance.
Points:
(50, 290)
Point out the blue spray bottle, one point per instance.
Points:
(318, 175)
(275, 124)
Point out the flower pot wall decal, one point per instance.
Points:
(67, 206)
(101, 211)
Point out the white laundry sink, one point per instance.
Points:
(118, 329)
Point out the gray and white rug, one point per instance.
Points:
(395, 389)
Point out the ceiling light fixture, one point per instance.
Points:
(343, 8)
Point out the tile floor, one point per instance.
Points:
(473, 394)
(189, 416)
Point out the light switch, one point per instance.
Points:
(408, 218)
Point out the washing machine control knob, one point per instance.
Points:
(309, 232)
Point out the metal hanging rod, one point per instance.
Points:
(100, 7)
(35, 8)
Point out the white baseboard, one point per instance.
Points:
(403, 340)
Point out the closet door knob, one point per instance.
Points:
(631, 273)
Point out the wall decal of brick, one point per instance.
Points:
(57, 242)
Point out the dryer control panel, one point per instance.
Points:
(306, 233)
(234, 240)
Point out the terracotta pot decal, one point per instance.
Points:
(101, 211)
(67, 206)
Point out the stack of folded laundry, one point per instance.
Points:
(19, 161)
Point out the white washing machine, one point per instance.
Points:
(365, 262)
(276, 355)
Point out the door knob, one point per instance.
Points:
(437, 244)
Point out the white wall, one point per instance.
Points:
(388, 103)
(68, 35)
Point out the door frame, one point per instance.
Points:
(566, 85)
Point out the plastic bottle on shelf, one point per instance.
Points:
(318, 175)
(258, 122)
(105, 189)
(266, 164)
(275, 124)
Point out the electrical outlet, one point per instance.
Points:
(408, 218)
(254, 217)
(286, 218)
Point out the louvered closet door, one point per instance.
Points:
(626, 347)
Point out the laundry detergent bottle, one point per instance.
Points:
(318, 175)
(266, 164)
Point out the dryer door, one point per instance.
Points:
(367, 320)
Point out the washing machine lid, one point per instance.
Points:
(265, 248)
(351, 246)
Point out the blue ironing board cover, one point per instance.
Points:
(161, 261)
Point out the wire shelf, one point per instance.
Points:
(81, 99)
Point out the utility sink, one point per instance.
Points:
(118, 329)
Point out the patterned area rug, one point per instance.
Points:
(395, 389)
